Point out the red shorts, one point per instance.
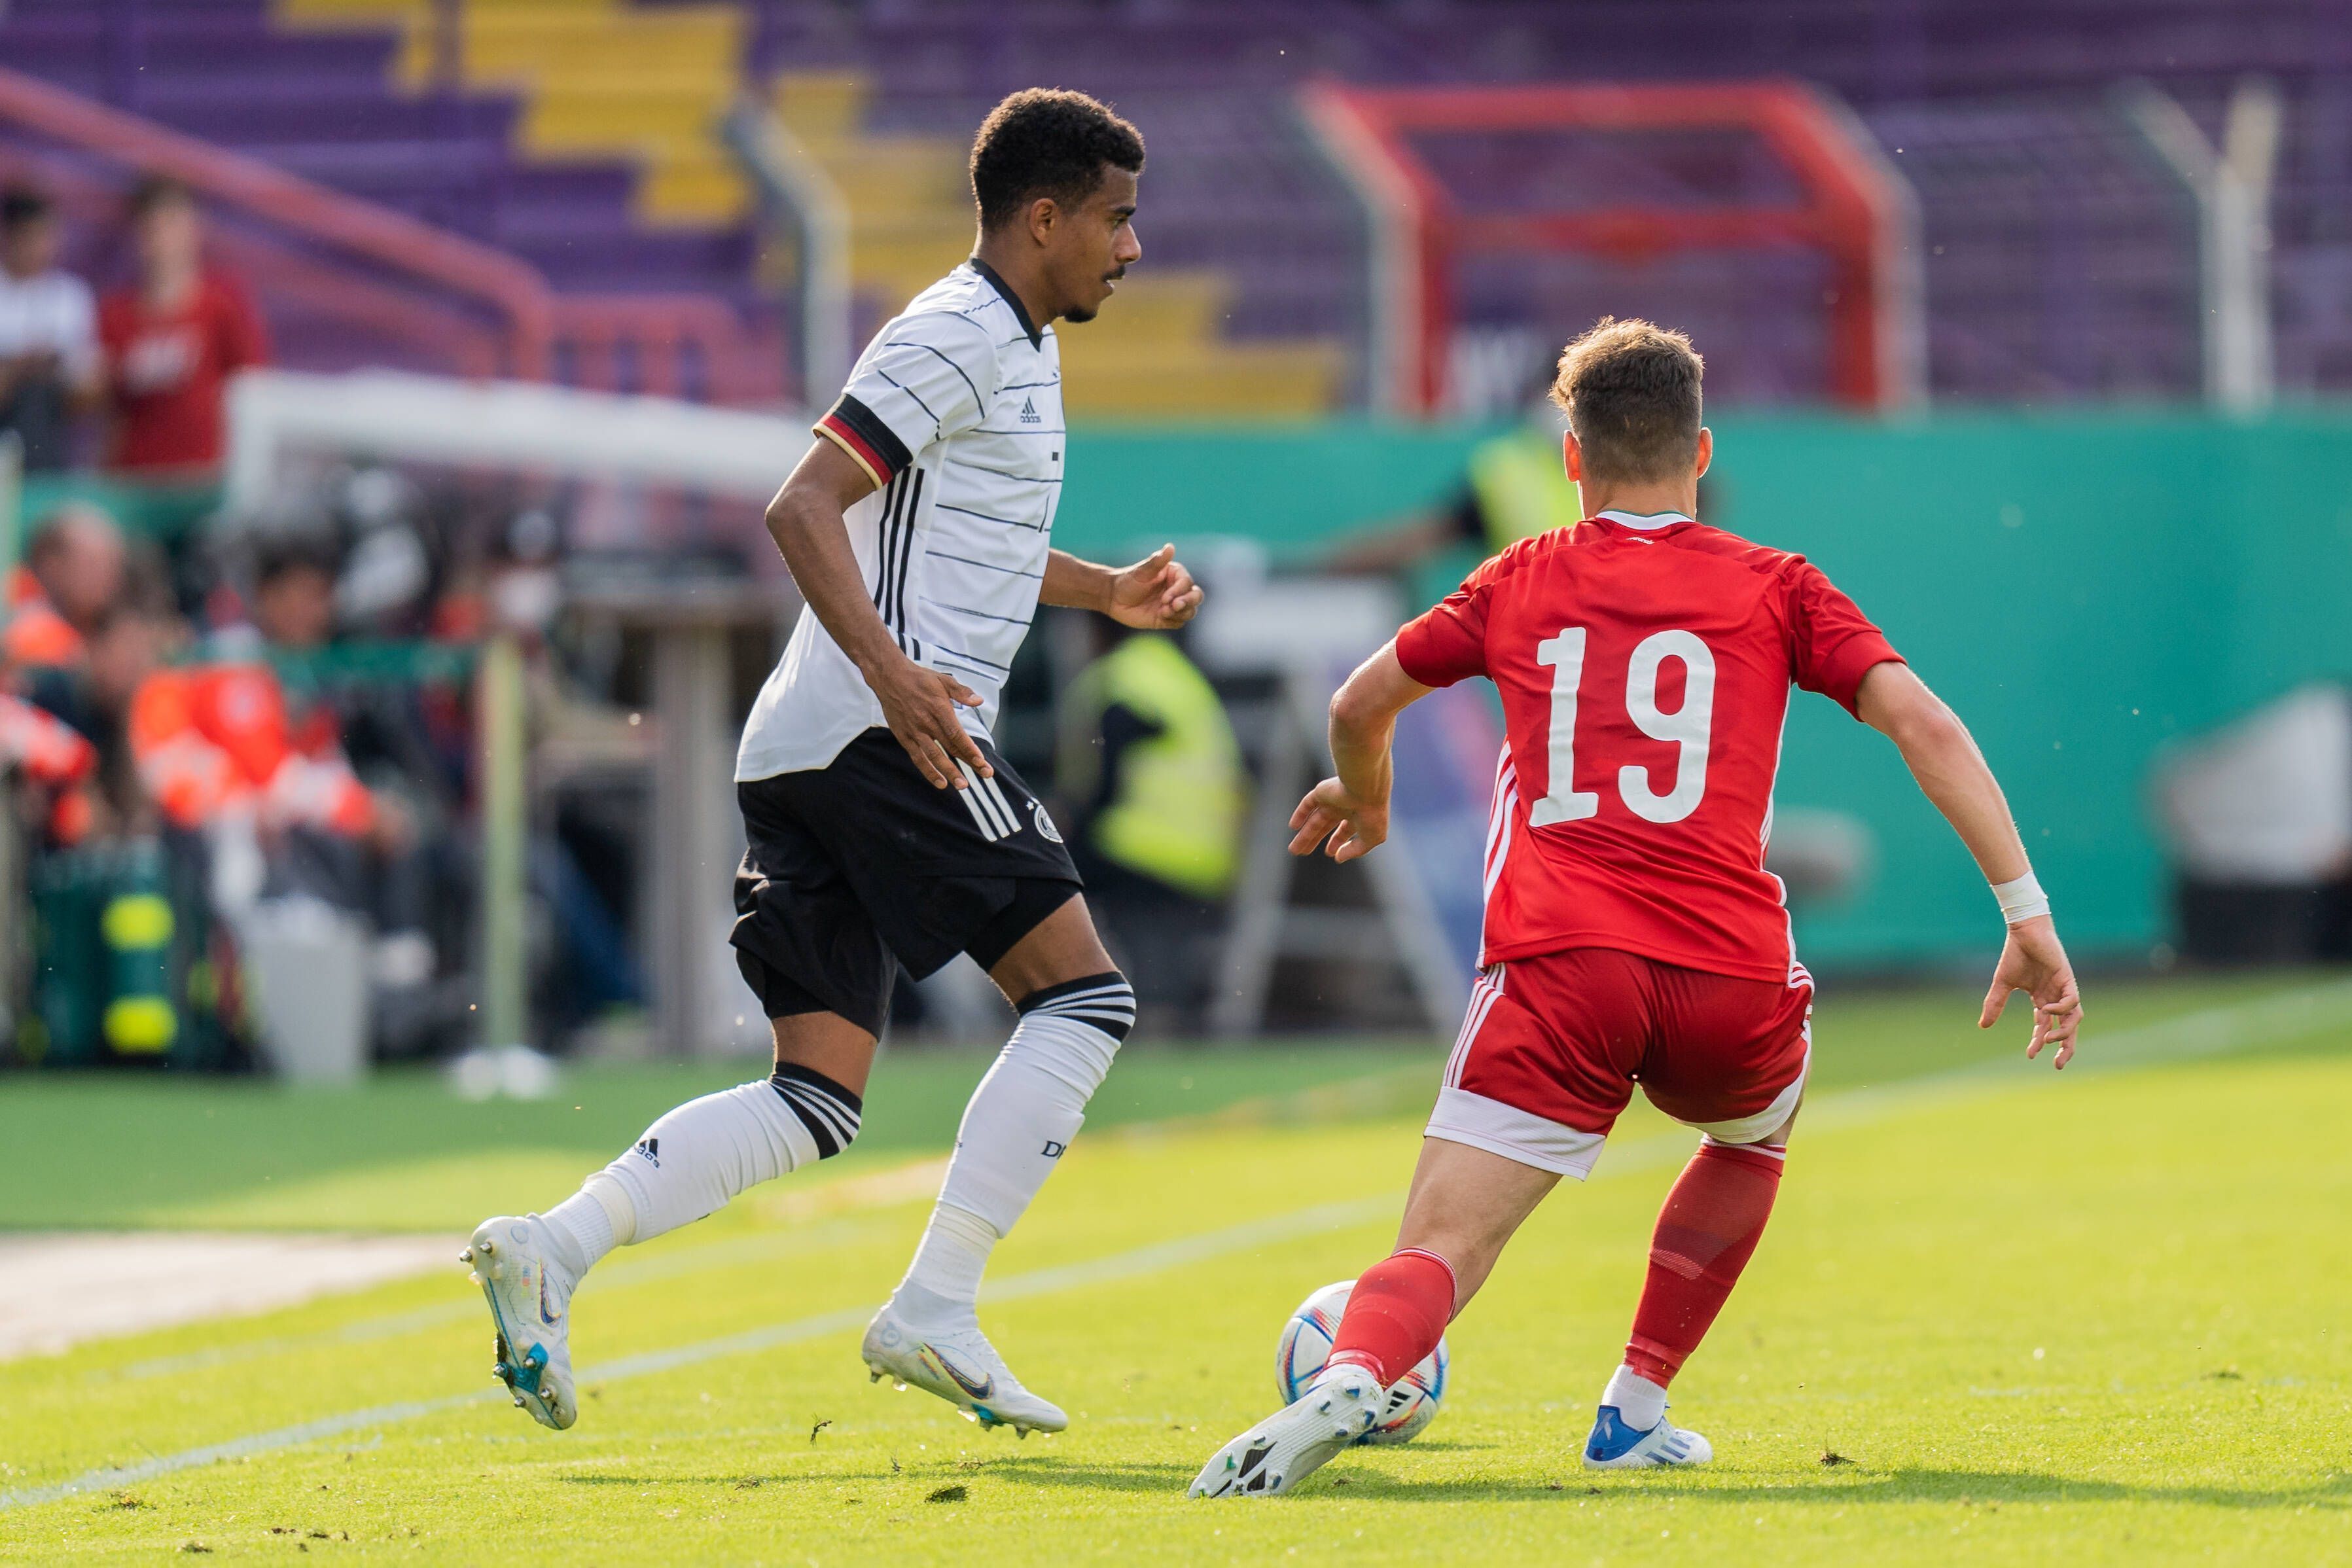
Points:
(1553, 1045)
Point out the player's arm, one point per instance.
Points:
(919, 704)
(1943, 757)
(1155, 594)
(1352, 807)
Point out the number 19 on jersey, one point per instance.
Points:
(1686, 727)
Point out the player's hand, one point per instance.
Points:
(1356, 828)
(1155, 594)
(2033, 962)
(919, 706)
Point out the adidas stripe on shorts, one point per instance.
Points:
(860, 867)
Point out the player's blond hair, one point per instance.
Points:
(1631, 391)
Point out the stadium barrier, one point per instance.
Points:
(2085, 589)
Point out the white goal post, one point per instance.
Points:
(550, 429)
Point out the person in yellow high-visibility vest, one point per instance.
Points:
(1149, 762)
(1515, 486)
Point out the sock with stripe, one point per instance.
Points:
(1020, 1118)
(1395, 1315)
(1706, 1232)
(698, 1156)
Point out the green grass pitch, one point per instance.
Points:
(2000, 1317)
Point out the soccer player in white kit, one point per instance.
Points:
(884, 827)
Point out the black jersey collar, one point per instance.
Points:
(1019, 311)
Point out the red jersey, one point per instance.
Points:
(167, 369)
(1644, 666)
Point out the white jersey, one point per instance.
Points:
(50, 312)
(955, 410)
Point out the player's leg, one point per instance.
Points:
(1530, 1092)
(1075, 1010)
(1465, 1204)
(689, 1162)
(1739, 1076)
(1706, 1232)
(806, 947)
(697, 1157)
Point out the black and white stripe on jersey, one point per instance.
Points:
(992, 517)
(983, 566)
(1007, 473)
(902, 502)
(1105, 1002)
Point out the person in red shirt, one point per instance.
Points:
(172, 342)
(1631, 932)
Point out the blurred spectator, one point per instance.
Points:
(1515, 486)
(74, 569)
(49, 368)
(45, 752)
(294, 595)
(172, 342)
(1148, 763)
(125, 644)
(294, 615)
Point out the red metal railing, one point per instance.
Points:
(505, 321)
(1853, 210)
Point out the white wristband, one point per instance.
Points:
(2023, 900)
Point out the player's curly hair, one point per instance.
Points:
(1045, 141)
(1632, 393)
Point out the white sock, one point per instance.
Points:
(1020, 1118)
(588, 1224)
(943, 1282)
(1640, 1403)
(693, 1160)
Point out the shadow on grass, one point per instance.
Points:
(1855, 1484)
(1984, 1487)
(1859, 1484)
(1048, 1470)
(739, 1483)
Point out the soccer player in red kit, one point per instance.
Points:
(1631, 932)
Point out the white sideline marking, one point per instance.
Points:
(58, 1290)
(2212, 1031)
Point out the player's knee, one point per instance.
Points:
(830, 1112)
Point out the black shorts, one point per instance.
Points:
(862, 866)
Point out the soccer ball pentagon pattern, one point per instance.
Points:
(1306, 1344)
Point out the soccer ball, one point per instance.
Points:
(1305, 1345)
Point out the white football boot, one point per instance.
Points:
(958, 1363)
(1614, 1445)
(529, 1294)
(1291, 1445)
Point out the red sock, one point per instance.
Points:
(1707, 1231)
(1396, 1314)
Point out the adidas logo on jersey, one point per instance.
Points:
(651, 1148)
(1029, 415)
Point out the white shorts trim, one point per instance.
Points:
(1462, 1117)
(1767, 1122)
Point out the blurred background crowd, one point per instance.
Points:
(355, 351)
